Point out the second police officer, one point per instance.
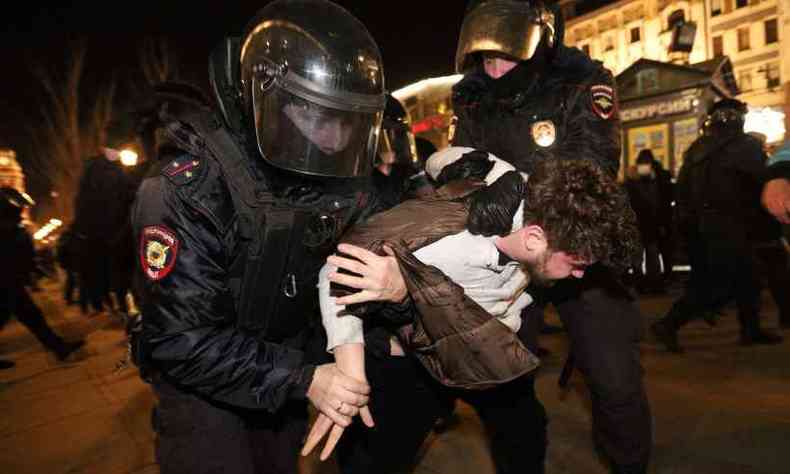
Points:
(523, 95)
(233, 229)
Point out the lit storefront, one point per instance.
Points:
(663, 106)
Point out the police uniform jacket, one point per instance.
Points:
(189, 239)
(565, 107)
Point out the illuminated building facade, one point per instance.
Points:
(750, 32)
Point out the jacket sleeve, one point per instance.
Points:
(592, 131)
(188, 315)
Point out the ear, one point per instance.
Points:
(533, 238)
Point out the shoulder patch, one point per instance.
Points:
(158, 251)
(183, 169)
(602, 101)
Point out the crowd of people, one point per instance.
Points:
(293, 244)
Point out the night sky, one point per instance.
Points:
(417, 40)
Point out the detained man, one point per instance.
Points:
(467, 255)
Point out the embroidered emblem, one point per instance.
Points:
(158, 251)
(544, 133)
(177, 167)
(602, 97)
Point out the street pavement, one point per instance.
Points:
(718, 409)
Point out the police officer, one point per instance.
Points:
(17, 255)
(718, 203)
(523, 96)
(233, 229)
(397, 155)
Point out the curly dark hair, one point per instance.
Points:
(584, 212)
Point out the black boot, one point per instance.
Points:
(666, 334)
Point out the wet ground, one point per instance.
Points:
(719, 408)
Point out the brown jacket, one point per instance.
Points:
(457, 341)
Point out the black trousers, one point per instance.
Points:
(721, 271)
(16, 301)
(604, 328)
(405, 403)
(198, 437)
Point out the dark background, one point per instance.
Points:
(417, 40)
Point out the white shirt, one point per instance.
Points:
(471, 261)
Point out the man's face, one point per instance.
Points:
(330, 132)
(497, 65)
(551, 266)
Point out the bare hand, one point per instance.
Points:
(337, 395)
(381, 278)
(323, 425)
(776, 199)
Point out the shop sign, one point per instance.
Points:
(658, 109)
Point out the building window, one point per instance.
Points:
(676, 18)
(771, 33)
(718, 46)
(772, 75)
(636, 34)
(743, 39)
(745, 81)
(741, 3)
(716, 7)
(586, 49)
(608, 43)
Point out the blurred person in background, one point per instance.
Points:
(101, 222)
(718, 199)
(650, 192)
(17, 255)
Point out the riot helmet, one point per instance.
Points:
(396, 137)
(512, 28)
(727, 115)
(313, 84)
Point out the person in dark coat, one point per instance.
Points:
(102, 205)
(522, 102)
(718, 199)
(232, 226)
(17, 255)
(650, 192)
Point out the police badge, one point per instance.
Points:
(544, 133)
(158, 250)
(602, 100)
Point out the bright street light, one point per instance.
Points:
(128, 157)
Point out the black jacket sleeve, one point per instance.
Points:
(188, 315)
(588, 134)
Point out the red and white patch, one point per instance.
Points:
(158, 251)
(602, 100)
